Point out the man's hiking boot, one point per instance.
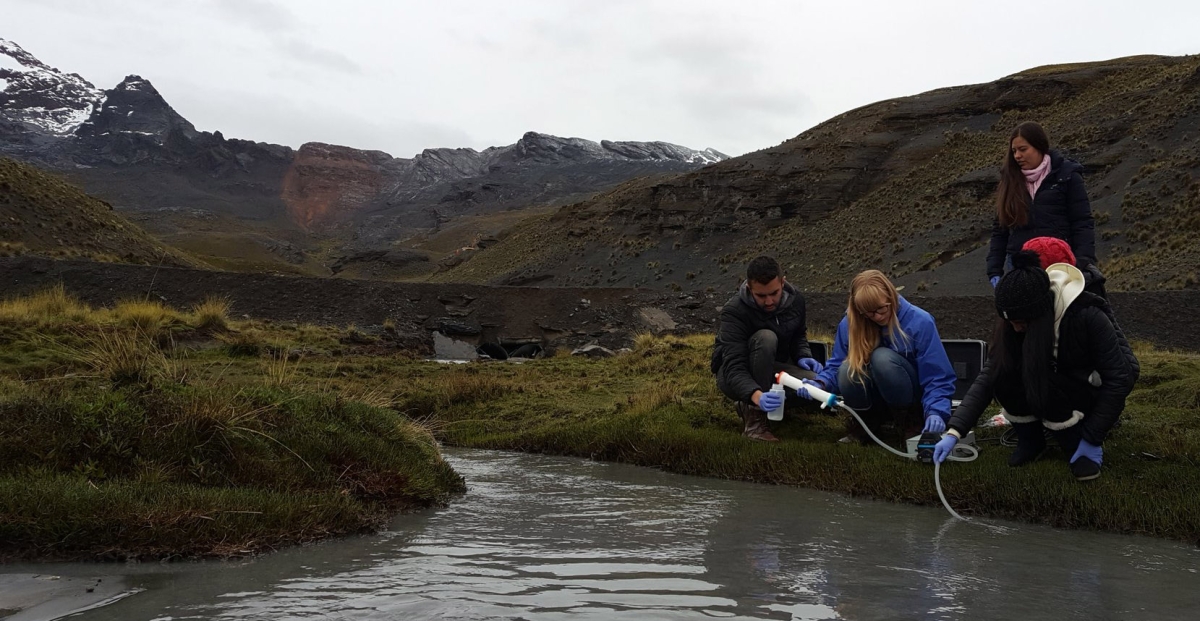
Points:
(756, 423)
(1085, 469)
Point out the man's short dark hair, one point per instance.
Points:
(763, 270)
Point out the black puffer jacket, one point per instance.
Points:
(1060, 209)
(740, 319)
(1087, 342)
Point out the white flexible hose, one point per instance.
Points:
(965, 452)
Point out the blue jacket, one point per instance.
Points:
(923, 349)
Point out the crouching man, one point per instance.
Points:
(762, 331)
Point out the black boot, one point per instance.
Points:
(1083, 468)
(1031, 443)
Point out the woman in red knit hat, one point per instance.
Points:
(1057, 362)
(1053, 250)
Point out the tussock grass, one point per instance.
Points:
(122, 357)
(53, 305)
(212, 313)
(147, 316)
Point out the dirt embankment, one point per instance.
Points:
(562, 316)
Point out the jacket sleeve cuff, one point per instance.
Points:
(1095, 438)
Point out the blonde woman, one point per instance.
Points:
(888, 359)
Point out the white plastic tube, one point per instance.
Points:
(815, 392)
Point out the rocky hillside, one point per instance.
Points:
(256, 206)
(43, 215)
(903, 185)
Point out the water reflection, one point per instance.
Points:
(542, 538)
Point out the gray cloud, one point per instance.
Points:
(282, 27)
(311, 54)
(261, 15)
(402, 76)
(266, 118)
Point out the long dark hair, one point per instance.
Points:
(1012, 200)
(1025, 356)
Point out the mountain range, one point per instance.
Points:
(904, 185)
(317, 209)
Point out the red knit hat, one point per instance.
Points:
(1050, 250)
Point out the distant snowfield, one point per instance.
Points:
(51, 86)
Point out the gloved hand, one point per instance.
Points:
(934, 424)
(1090, 451)
(802, 392)
(769, 401)
(942, 449)
(810, 364)
(994, 280)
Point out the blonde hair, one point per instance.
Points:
(869, 291)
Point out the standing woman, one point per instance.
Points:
(1057, 363)
(1041, 193)
(888, 360)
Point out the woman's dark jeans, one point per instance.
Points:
(888, 381)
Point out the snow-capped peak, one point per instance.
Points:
(36, 94)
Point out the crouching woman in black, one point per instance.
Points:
(1056, 363)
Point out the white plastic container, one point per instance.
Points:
(777, 413)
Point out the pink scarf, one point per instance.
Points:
(1034, 177)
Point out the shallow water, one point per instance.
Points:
(547, 538)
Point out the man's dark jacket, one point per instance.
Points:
(1060, 209)
(740, 319)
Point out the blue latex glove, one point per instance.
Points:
(802, 392)
(1090, 451)
(810, 364)
(769, 401)
(943, 448)
(994, 280)
(934, 424)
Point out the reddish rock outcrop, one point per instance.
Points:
(327, 184)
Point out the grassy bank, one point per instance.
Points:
(142, 430)
(657, 406)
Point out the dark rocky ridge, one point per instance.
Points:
(552, 316)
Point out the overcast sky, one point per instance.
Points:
(402, 76)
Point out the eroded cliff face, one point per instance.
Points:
(327, 185)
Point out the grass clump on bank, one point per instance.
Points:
(117, 443)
